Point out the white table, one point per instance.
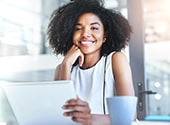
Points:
(2, 123)
(150, 123)
(134, 123)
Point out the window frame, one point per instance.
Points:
(136, 55)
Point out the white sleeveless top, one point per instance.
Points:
(89, 84)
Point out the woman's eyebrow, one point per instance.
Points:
(77, 24)
(95, 23)
(90, 24)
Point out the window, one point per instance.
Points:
(157, 43)
(149, 57)
(23, 26)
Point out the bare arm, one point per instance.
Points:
(122, 74)
(100, 119)
(63, 70)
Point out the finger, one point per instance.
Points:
(80, 108)
(72, 101)
(84, 109)
(81, 56)
(76, 117)
(77, 114)
(77, 97)
(70, 104)
(81, 60)
(77, 101)
(80, 120)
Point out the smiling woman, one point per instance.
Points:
(91, 38)
(25, 22)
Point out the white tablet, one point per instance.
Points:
(39, 103)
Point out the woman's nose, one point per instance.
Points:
(86, 33)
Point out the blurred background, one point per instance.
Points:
(23, 45)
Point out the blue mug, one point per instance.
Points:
(122, 109)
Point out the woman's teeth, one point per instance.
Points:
(86, 43)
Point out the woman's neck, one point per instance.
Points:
(90, 61)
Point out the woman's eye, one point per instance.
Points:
(77, 28)
(94, 28)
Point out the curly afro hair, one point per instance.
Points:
(63, 20)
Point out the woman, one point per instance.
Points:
(91, 38)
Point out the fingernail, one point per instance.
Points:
(64, 114)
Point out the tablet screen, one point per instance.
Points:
(39, 103)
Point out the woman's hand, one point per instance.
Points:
(63, 70)
(73, 54)
(79, 111)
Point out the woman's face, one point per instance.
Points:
(89, 33)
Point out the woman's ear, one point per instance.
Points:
(104, 39)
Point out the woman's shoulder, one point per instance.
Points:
(118, 55)
(118, 58)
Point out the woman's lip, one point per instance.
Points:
(87, 43)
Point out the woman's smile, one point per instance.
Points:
(89, 33)
(87, 43)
